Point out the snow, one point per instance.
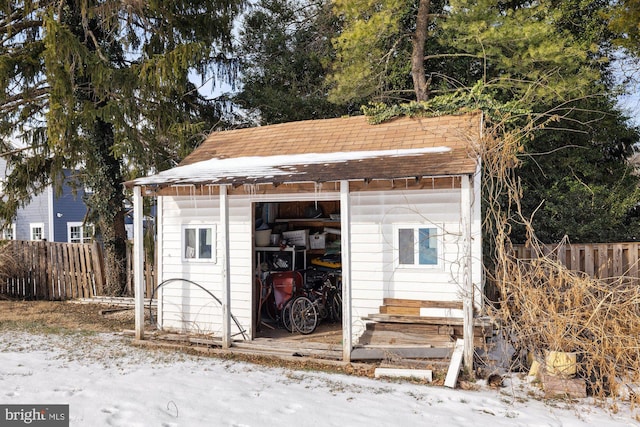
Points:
(108, 382)
(212, 170)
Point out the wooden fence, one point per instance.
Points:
(599, 260)
(60, 271)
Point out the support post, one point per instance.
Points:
(138, 262)
(226, 277)
(467, 278)
(345, 237)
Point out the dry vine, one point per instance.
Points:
(542, 306)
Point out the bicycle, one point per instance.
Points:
(320, 300)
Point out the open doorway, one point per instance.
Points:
(298, 275)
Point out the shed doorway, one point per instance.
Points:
(298, 277)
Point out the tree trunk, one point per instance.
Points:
(420, 85)
(106, 204)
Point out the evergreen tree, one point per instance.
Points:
(104, 87)
(284, 46)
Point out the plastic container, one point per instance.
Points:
(263, 237)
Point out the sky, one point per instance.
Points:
(107, 382)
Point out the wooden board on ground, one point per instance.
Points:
(454, 366)
(424, 374)
(386, 353)
(559, 387)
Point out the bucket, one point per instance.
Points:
(262, 237)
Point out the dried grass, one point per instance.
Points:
(9, 265)
(541, 305)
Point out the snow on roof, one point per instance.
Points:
(293, 167)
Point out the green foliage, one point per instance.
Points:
(458, 102)
(283, 47)
(624, 18)
(105, 87)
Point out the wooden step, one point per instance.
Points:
(397, 302)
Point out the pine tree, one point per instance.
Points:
(104, 87)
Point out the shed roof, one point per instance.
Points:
(329, 150)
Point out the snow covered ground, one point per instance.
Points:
(107, 382)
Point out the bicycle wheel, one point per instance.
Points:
(286, 316)
(304, 315)
(336, 307)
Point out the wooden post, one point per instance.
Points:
(138, 259)
(467, 278)
(226, 277)
(345, 236)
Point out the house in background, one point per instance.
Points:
(56, 218)
(403, 197)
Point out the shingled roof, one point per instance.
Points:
(330, 150)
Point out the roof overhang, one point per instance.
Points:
(313, 167)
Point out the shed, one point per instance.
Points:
(401, 198)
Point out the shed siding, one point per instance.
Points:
(185, 306)
(375, 273)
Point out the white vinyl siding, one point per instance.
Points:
(185, 306)
(376, 272)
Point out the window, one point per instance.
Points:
(9, 232)
(418, 246)
(77, 232)
(36, 231)
(198, 242)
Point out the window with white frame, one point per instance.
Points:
(36, 230)
(9, 232)
(198, 242)
(418, 246)
(78, 232)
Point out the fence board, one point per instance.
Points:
(55, 271)
(601, 260)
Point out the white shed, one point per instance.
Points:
(402, 198)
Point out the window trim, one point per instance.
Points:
(32, 227)
(83, 229)
(416, 227)
(13, 232)
(197, 256)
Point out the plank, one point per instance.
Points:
(424, 374)
(383, 353)
(402, 311)
(574, 388)
(454, 367)
(422, 303)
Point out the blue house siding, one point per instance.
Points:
(37, 211)
(53, 212)
(67, 208)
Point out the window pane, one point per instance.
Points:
(74, 234)
(406, 246)
(189, 242)
(204, 249)
(427, 246)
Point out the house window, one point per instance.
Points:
(77, 232)
(9, 232)
(198, 242)
(36, 231)
(418, 246)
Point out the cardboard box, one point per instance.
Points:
(297, 238)
(317, 241)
